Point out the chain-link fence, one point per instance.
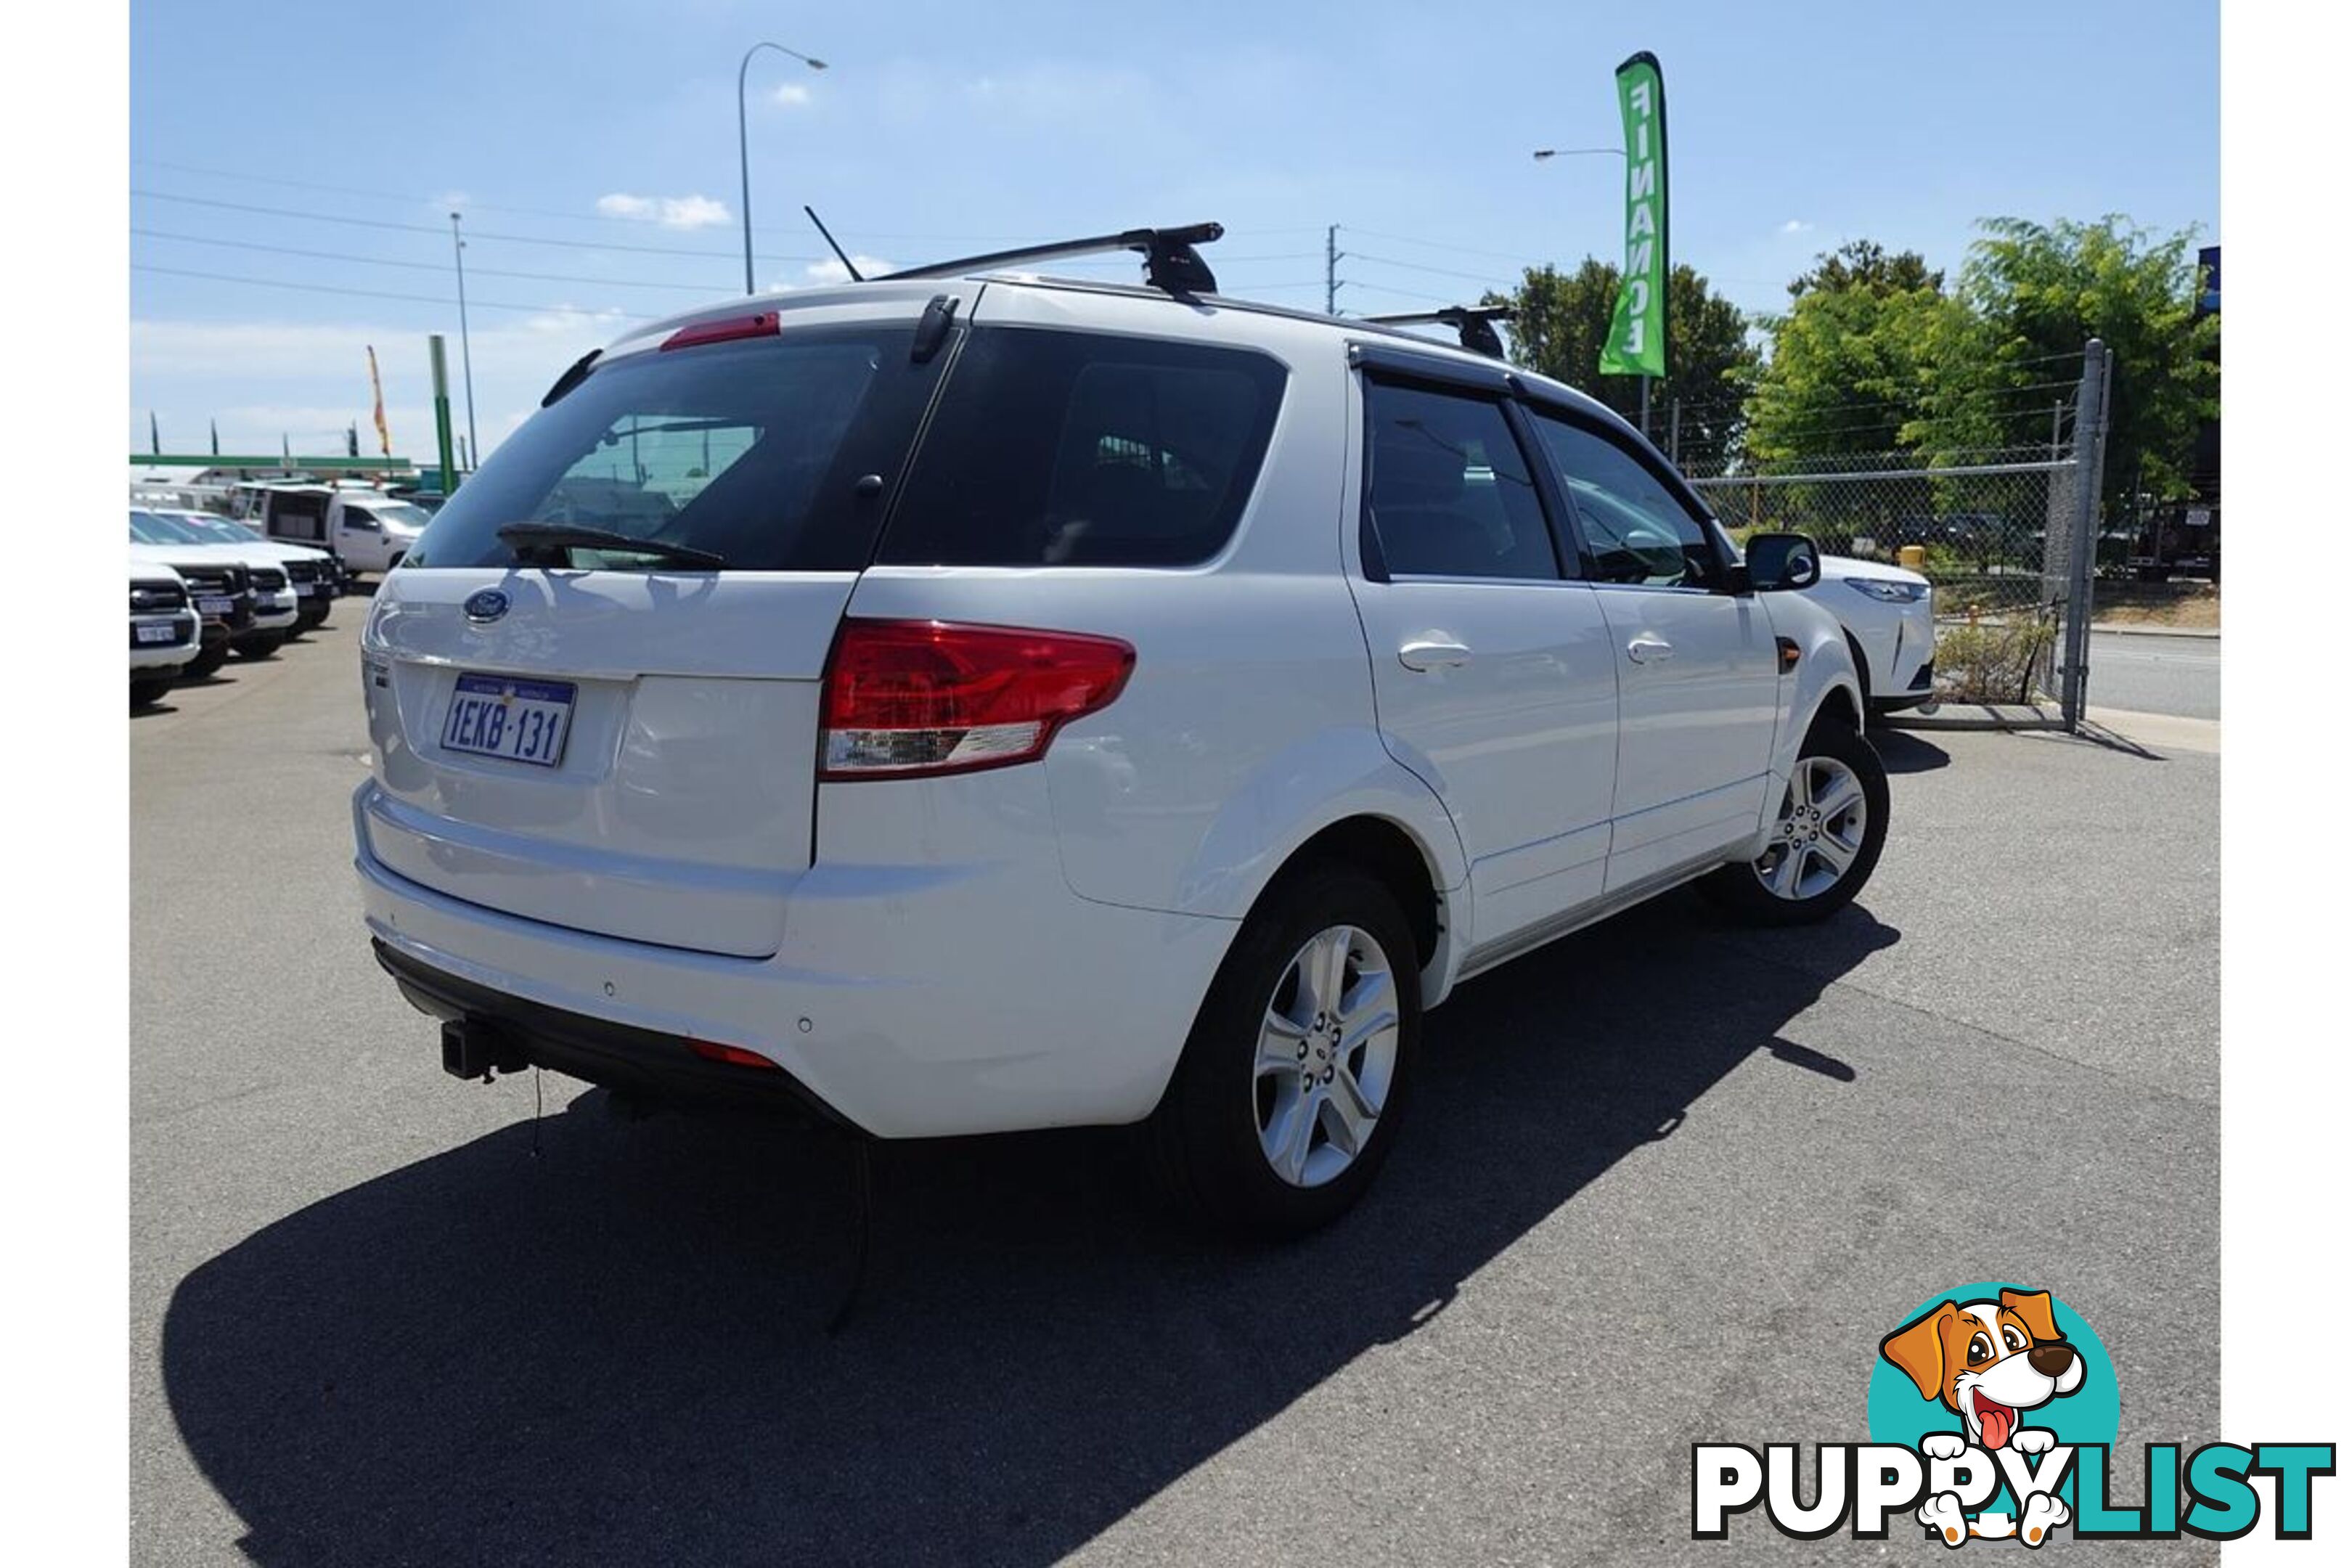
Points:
(2005, 537)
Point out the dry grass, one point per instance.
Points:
(2198, 609)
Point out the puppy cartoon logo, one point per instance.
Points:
(1993, 1415)
(1989, 1363)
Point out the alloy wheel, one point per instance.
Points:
(1327, 1055)
(1823, 820)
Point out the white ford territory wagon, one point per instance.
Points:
(967, 701)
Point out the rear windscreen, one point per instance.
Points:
(753, 451)
(1086, 449)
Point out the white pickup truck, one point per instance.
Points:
(367, 530)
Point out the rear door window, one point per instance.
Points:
(762, 451)
(1447, 491)
(1053, 448)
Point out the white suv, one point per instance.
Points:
(966, 704)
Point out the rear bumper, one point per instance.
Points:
(907, 1001)
(660, 1067)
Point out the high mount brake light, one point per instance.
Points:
(726, 330)
(918, 698)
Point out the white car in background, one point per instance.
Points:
(166, 631)
(310, 570)
(256, 570)
(1889, 616)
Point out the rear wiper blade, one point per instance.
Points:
(530, 536)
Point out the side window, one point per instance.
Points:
(359, 518)
(1637, 529)
(1446, 493)
(1055, 449)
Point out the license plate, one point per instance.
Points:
(308, 589)
(504, 716)
(157, 632)
(215, 607)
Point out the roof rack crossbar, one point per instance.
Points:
(1170, 262)
(1473, 323)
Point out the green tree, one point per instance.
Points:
(1866, 264)
(1854, 357)
(2035, 293)
(1562, 318)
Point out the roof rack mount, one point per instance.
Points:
(1170, 262)
(1473, 323)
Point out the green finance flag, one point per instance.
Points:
(1636, 343)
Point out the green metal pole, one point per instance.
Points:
(441, 413)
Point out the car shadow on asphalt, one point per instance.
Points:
(601, 1340)
(1903, 751)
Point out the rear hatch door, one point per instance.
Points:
(623, 740)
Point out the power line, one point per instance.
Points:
(437, 232)
(1513, 257)
(434, 266)
(1439, 271)
(380, 293)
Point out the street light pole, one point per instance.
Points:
(1542, 153)
(464, 336)
(743, 141)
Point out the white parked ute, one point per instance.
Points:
(260, 579)
(965, 701)
(164, 631)
(310, 571)
(366, 529)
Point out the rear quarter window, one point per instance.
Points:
(1054, 449)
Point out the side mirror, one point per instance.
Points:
(1782, 561)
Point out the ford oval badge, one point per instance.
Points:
(485, 606)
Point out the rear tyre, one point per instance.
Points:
(146, 691)
(1826, 840)
(1297, 1074)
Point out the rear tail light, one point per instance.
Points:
(915, 698)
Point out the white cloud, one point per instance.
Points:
(830, 272)
(696, 211)
(1796, 226)
(1060, 91)
(793, 95)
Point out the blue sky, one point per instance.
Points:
(945, 129)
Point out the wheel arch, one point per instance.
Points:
(1397, 857)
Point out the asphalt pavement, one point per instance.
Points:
(2147, 672)
(1666, 1182)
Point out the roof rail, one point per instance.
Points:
(1473, 323)
(1170, 262)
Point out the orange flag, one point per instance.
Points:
(383, 432)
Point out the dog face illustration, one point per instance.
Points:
(1988, 1361)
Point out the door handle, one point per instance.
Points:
(1425, 653)
(1649, 650)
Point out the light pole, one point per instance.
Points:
(743, 141)
(1543, 153)
(465, 335)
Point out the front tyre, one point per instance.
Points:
(1297, 1069)
(1825, 841)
